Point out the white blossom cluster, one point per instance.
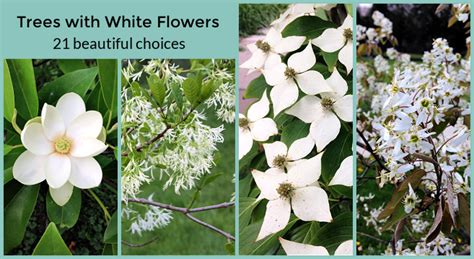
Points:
(382, 32)
(153, 218)
(441, 245)
(462, 12)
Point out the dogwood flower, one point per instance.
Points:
(323, 112)
(284, 79)
(294, 248)
(280, 157)
(343, 174)
(254, 126)
(60, 148)
(295, 190)
(270, 48)
(332, 40)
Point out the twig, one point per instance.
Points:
(372, 152)
(141, 244)
(188, 211)
(372, 237)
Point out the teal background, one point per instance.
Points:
(219, 42)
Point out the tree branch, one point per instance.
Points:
(188, 211)
(372, 152)
(141, 244)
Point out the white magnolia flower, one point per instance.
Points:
(280, 157)
(255, 126)
(295, 190)
(323, 112)
(270, 48)
(284, 79)
(294, 248)
(332, 40)
(60, 148)
(343, 174)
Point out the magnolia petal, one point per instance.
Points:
(294, 248)
(269, 181)
(300, 148)
(245, 142)
(62, 194)
(337, 83)
(263, 129)
(330, 40)
(35, 141)
(275, 74)
(311, 204)
(276, 217)
(325, 129)
(28, 168)
(70, 106)
(259, 109)
(343, 174)
(345, 56)
(87, 147)
(283, 96)
(345, 248)
(88, 125)
(58, 170)
(52, 121)
(343, 108)
(302, 61)
(289, 44)
(312, 82)
(307, 109)
(85, 173)
(273, 150)
(306, 173)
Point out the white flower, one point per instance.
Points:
(297, 189)
(332, 40)
(280, 157)
(60, 148)
(255, 126)
(284, 77)
(294, 248)
(270, 48)
(343, 174)
(410, 200)
(321, 113)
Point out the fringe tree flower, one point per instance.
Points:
(60, 147)
(297, 190)
(294, 248)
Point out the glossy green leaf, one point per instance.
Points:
(246, 206)
(65, 216)
(334, 233)
(208, 89)
(309, 26)
(24, 87)
(7, 175)
(109, 249)
(17, 214)
(306, 233)
(191, 90)
(256, 87)
(71, 65)
(295, 130)
(336, 151)
(51, 243)
(330, 59)
(110, 234)
(7, 149)
(157, 88)
(108, 83)
(78, 82)
(9, 95)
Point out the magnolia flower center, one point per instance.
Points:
(244, 123)
(62, 145)
(264, 46)
(290, 73)
(286, 190)
(348, 34)
(327, 103)
(279, 161)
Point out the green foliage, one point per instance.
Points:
(108, 83)
(51, 243)
(253, 17)
(24, 87)
(9, 95)
(64, 216)
(110, 235)
(309, 26)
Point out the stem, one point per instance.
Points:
(141, 244)
(209, 226)
(112, 129)
(372, 152)
(14, 125)
(104, 209)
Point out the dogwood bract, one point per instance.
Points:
(295, 248)
(60, 148)
(298, 190)
(280, 157)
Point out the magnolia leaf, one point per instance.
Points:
(9, 95)
(51, 243)
(110, 234)
(108, 83)
(24, 87)
(7, 175)
(109, 249)
(65, 216)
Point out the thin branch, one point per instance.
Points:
(372, 152)
(372, 237)
(154, 139)
(188, 211)
(141, 244)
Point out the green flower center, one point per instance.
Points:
(290, 73)
(286, 190)
(327, 103)
(410, 200)
(425, 103)
(347, 34)
(243, 123)
(414, 138)
(279, 161)
(62, 145)
(264, 46)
